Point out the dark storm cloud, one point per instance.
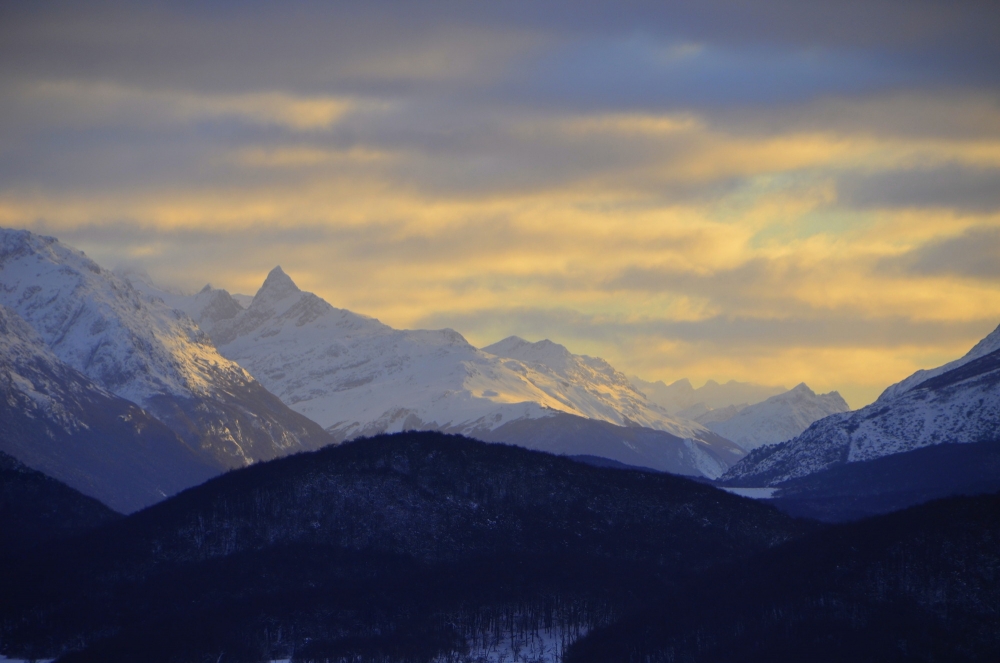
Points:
(754, 50)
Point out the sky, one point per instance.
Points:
(773, 192)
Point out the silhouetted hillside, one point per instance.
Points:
(35, 508)
(918, 585)
(398, 546)
(856, 490)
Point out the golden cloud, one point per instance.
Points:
(97, 102)
(360, 226)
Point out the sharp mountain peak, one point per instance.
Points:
(277, 284)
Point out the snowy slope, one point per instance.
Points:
(589, 386)
(145, 351)
(682, 399)
(206, 308)
(633, 446)
(779, 418)
(956, 403)
(991, 343)
(707, 416)
(56, 420)
(356, 376)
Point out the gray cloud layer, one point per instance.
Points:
(665, 182)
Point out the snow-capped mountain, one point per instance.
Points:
(707, 416)
(777, 419)
(682, 399)
(356, 376)
(636, 446)
(147, 352)
(589, 386)
(58, 421)
(955, 403)
(206, 308)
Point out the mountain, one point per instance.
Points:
(588, 386)
(56, 420)
(705, 416)
(35, 508)
(954, 404)
(405, 547)
(777, 419)
(357, 377)
(207, 307)
(635, 446)
(142, 350)
(680, 396)
(918, 585)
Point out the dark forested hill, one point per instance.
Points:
(35, 508)
(917, 585)
(856, 490)
(392, 548)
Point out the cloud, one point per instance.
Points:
(719, 189)
(853, 355)
(973, 254)
(949, 187)
(89, 104)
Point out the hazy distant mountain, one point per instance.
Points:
(357, 376)
(207, 307)
(706, 416)
(953, 404)
(680, 395)
(56, 420)
(147, 352)
(777, 419)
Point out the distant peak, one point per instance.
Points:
(505, 345)
(515, 347)
(207, 288)
(277, 285)
(802, 387)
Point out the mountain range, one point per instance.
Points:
(356, 524)
(130, 393)
(953, 404)
(931, 435)
(90, 327)
(681, 398)
(358, 377)
(779, 418)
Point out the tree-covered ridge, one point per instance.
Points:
(416, 538)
